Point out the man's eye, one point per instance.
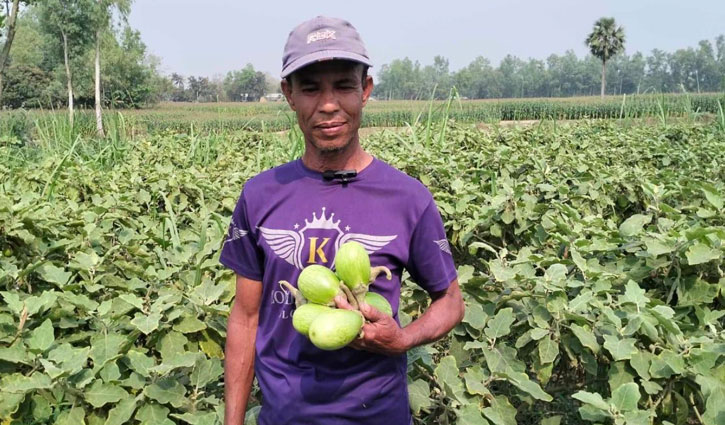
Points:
(309, 89)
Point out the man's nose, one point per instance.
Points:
(328, 101)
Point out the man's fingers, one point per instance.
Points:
(342, 303)
(371, 313)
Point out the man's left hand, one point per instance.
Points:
(381, 333)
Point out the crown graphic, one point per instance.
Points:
(322, 222)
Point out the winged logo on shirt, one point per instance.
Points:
(235, 232)
(315, 235)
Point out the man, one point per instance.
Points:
(299, 214)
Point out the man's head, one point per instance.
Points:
(325, 81)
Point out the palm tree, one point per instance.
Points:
(605, 41)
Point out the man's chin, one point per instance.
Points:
(328, 147)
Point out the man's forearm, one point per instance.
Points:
(238, 368)
(443, 314)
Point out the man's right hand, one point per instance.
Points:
(239, 349)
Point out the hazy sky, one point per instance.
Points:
(210, 37)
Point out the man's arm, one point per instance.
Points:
(382, 334)
(239, 349)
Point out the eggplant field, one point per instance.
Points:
(590, 255)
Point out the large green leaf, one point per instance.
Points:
(501, 412)
(594, 399)
(500, 324)
(626, 397)
(548, 350)
(620, 348)
(42, 337)
(101, 393)
(586, 337)
(167, 390)
(419, 395)
(521, 381)
(634, 224)
(448, 376)
(123, 411)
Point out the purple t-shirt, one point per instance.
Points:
(290, 217)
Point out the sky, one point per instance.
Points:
(212, 37)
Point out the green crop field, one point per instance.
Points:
(590, 254)
(275, 116)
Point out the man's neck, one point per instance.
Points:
(353, 158)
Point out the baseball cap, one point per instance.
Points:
(320, 39)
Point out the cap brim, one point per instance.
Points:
(323, 55)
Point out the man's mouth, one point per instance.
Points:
(330, 128)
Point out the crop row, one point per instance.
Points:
(590, 256)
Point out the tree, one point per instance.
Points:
(246, 85)
(605, 41)
(72, 21)
(102, 21)
(11, 18)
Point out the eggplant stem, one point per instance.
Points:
(375, 271)
(350, 297)
(299, 298)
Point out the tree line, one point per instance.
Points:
(692, 69)
(83, 52)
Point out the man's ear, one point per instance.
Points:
(367, 89)
(287, 91)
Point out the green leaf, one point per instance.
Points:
(656, 247)
(17, 383)
(637, 417)
(501, 357)
(447, 374)
(121, 414)
(16, 353)
(206, 371)
(501, 412)
(551, 420)
(712, 196)
(626, 397)
(197, 418)
(105, 348)
(620, 349)
(140, 362)
(594, 399)
(640, 361)
(633, 294)
(152, 413)
(419, 395)
(521, 381)
(500, 325)
(474, 378)
(52, 274)
(470, 415)
(701, 253)
(548, 350)
(100, 393)
(75, 416)
(42, 337)
(475, 316)
(190, 324)
(634, 224)
(178, 360)
(586, 337)
(167, 390)
(146, 323)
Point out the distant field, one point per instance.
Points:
(275, 116)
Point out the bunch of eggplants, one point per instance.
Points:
(316, 316)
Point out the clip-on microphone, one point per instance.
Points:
(343, 175)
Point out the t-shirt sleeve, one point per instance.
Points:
(430, 262)
(241, 252)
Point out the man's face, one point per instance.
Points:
(328, 98)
